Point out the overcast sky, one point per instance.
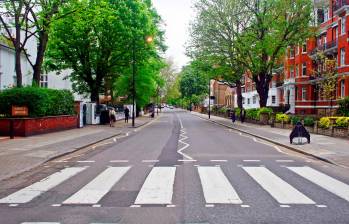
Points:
(176, 15)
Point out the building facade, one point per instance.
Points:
(302, 89)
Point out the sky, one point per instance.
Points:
(176, 15)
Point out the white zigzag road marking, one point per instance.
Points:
(181, 140)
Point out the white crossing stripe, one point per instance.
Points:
(40, 223)
(98, 187)
(29, 193)
(280, 190)
(328, 183)
(158, 186)
(216, 187)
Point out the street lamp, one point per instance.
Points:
(148, 40)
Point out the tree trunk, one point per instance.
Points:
(239, 94)
(18, 68)
(94, 93)
(39, 57)
(262, 81)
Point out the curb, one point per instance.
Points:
(273, 141)
(67, 153)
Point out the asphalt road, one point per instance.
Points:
(179, 169)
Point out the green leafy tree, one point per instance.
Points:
(193, 84)
(267, 28)
(97, 43)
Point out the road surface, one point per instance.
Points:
(179, 169)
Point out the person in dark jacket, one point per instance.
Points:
(233, 116)
(127, 114)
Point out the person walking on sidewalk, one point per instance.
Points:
(127, 114)
(242, 115)
(112, 117)
(233, 116)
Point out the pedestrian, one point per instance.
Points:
(127, 114)
(233, 116)
(242, 115)
(112, 117)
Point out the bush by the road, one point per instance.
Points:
(342, 122)
(282, 118)
(309, 121)
(40, 101)
(344, 106)
(324, 122)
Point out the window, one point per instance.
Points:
(304, 69)
(335, 33)
(326, 14)
(243, 100)
(297, 71)
(304, 93)
(273, 99)
(343, 25)
(291, 72)
(291, 52)
(304, 48)
(342, 89)
(342, 56)
(248, 100)
(43, 81)
(242, 89)
(254, 99)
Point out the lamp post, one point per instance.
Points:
(148, 40)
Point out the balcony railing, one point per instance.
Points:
(333, 45)
(339, 4)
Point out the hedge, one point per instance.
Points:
(282, 118)
(40, 101)
(344, 106)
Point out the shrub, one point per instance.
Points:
(252, 114)
(324, 122)
(309, 121)
(223, 110)
(265, 110)
(40, 101)
(295, 119)
(344, 106)
(282, 118)
(342, 122)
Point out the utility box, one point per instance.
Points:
(91, 114)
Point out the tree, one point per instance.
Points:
(97, 43)
(30, 19)
(213, 34)
(193, 84)
(268, 28)
(170, 77)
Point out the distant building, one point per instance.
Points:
(223, 94)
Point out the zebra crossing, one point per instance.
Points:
(158, 186)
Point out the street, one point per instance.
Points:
(179, 169)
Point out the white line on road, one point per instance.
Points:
(284, 161)
(251, 160)
(94, 191)
(216, 187)
(328, 183)
(85, 161)
(29, 193)
(40, 223)
(280, 190)
(158, 186)
(187, 160)
(150, 161)
(219, 160)
(118, 161)
(183, 137)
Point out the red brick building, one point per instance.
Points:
(301, 85)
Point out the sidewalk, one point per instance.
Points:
(22, 154)
(333, 150)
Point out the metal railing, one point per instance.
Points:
(339, 4)
(325, 47)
